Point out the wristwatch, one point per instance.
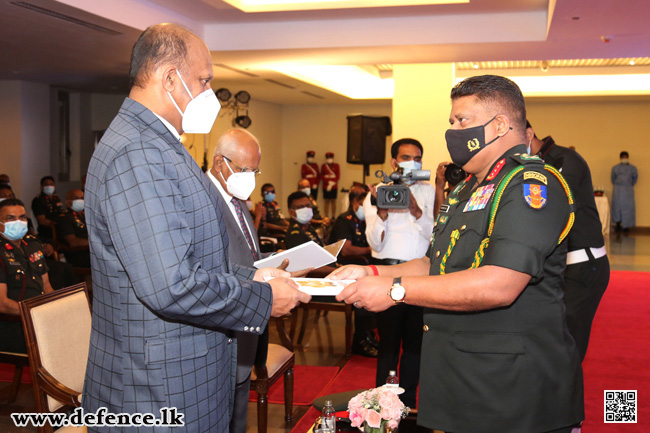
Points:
(397, 292)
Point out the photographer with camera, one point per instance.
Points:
(397, 235)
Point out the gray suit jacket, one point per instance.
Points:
(166, 298)
(240, 253)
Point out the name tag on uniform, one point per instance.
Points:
(480, 198)
(444, 208)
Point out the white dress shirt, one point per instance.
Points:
(170, 127)
(405, 238)
(228, 199)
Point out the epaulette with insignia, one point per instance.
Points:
(526, 159)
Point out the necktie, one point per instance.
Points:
(244, 227)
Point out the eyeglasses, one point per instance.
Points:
(256, 171)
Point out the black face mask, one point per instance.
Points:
(463, 144)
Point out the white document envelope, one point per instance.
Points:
(304, 256)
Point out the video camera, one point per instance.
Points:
(397, 196)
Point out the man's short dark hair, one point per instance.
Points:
(266, 185)
(158, 45)
(394, 149)
(11, 202)
(44, 178)
(493, 89)
(295, 196)
(624, 153)
(357, 192)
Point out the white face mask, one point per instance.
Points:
(48, 190)
(306, 191)
(78, 205)
(310, 160)
(200, 112)
(530, 143)
(304, 215)
(329, 160)
(360, 213)
(625, 161)
(409, 166)
(240, 185)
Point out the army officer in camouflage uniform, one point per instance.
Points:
(496, 353)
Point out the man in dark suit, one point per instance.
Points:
(167, 298)
(237, 153)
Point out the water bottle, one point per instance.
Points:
(328, 417)
(392, 381)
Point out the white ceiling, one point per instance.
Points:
(68, 53)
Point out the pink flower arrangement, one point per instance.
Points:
(376, 407)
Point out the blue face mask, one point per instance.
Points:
(269, 197)
(360, 213)
(78, 205)
(409, 166)
(48, 190)
(15, 230)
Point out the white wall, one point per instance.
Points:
(35, 137)
(103, 109)
(10, 125)
(323, 128)
(600, 129)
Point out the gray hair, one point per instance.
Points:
(228, 140)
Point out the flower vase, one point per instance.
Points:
(383, 428)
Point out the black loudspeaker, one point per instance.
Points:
(367, 138)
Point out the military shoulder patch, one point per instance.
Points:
(535, 195)
(535, 175)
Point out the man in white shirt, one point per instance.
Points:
(396, 236)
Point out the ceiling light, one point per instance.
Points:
(243, 121)
(298, 5)
(584, 85)
(223, 94)
(351, 81)
(243, 97)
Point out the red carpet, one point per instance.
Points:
(619, 352)
(617, 359)
(358, 373)
(7, 373)
(308, 382)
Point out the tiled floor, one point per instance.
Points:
(324, 340)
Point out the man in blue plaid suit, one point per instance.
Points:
(167, 299)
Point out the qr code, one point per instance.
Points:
(620, 406)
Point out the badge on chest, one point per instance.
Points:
(479, 198)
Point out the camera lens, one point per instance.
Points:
(454, 174)
(394, 196)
